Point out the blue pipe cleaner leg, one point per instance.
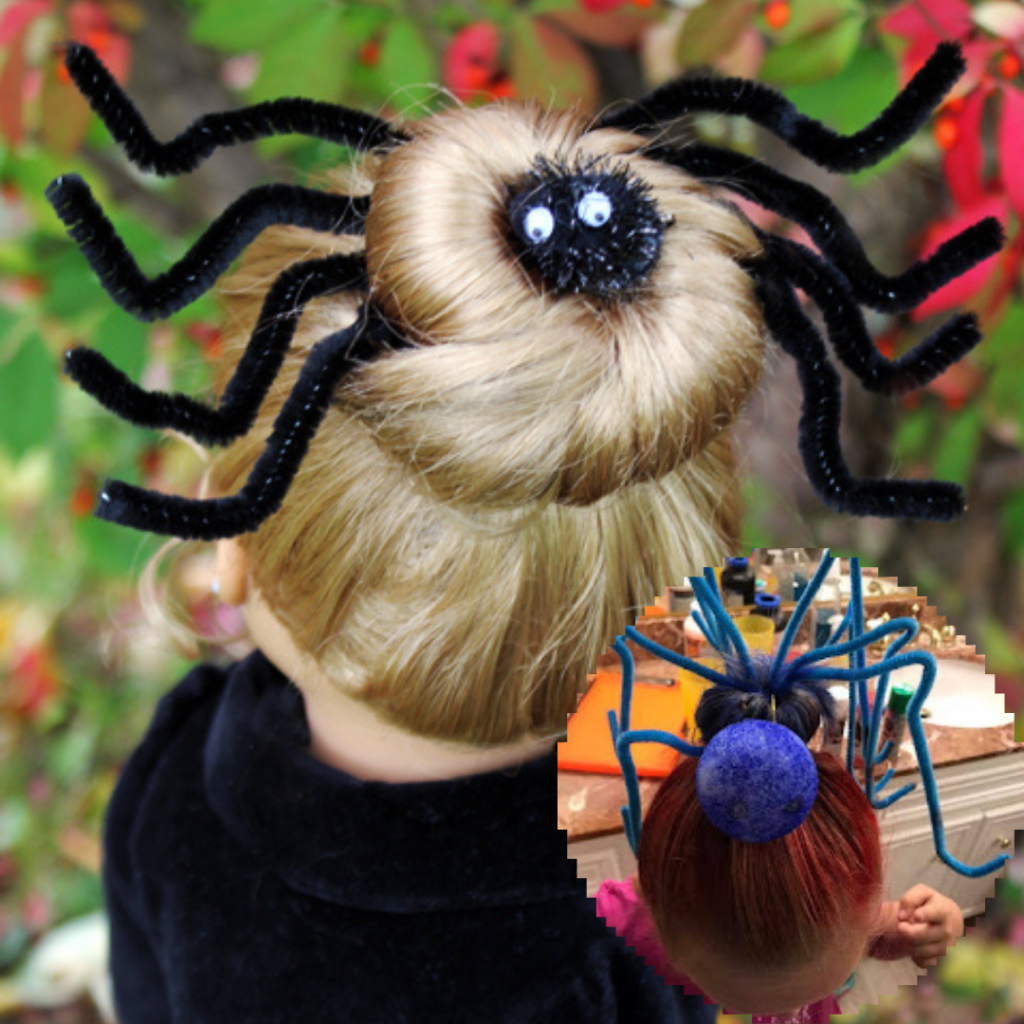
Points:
(624, 737)
(928, 774)
(927, 662)
(802, 607)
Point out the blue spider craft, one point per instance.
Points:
(757, 780)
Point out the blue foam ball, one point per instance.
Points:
(757, 780)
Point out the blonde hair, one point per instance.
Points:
(481, 513)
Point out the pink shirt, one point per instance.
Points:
(621, 907)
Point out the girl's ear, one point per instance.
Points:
(232, 572)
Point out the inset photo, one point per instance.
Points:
(790, 785)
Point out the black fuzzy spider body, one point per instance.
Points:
(590, 230)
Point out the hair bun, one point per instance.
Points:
(756, 781)
(800, 703)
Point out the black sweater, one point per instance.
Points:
(249, 883)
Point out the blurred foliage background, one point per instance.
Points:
(81, 668)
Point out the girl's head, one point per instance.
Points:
(763, 927)
(479, 512)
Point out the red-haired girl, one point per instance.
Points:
(773, 927)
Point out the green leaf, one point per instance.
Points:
(855, 97)
(452, 16)
(113, 550)
(238, 25)
(1001, 652)
(71, 287)
(550, 67)
(70, 754)
(552, 6)
(308, 60)
(1003, 356)
(1013, 523)
(408, 66)
(852, 99)
(914, 433)
(810, 17)
(814, 58)
(954, 458)
(124, 341)
(28, 397)
(712, 29)
(15, 821)
(76, 893)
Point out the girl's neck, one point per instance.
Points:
(346, 734)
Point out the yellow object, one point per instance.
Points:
(758, 632)
(691, 688)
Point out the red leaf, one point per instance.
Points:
(88, 22)
(956, 385)
(63, 113)
(16, 18)
(964, 162)
(85, 16)
(471, 60)
(34, 680)
(934, 19)
(967, 285)
(600, 6)
(115, 52)
(12, 90)
(1010, 143)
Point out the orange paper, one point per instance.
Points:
(588, 747)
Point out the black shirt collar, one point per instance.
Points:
(475, 841)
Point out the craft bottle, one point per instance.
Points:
(694, 640)
(767, 605)
(800, 572)
(679, 600)
(781, 574)
(738, 582)
(827, 606)
(894, 724)
(832, 737)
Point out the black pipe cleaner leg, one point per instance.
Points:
(898, 123)
(210, 132)
(820, 422)
(820, 218)
(262, 494)
(848, 334)
(197, 271)
(282, 308)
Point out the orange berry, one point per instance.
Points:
(83, 498)
(477, 76)
(150, 462)
(1009, 65)
(776, 13)
(503, 88)
(947, 132)
(369, 53)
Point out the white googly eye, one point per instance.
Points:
(538, 224)
(594, 209)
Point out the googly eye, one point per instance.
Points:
(594, 209)
(538, 224)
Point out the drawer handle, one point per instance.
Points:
(1003, 843)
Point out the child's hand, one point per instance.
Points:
(929, 923)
